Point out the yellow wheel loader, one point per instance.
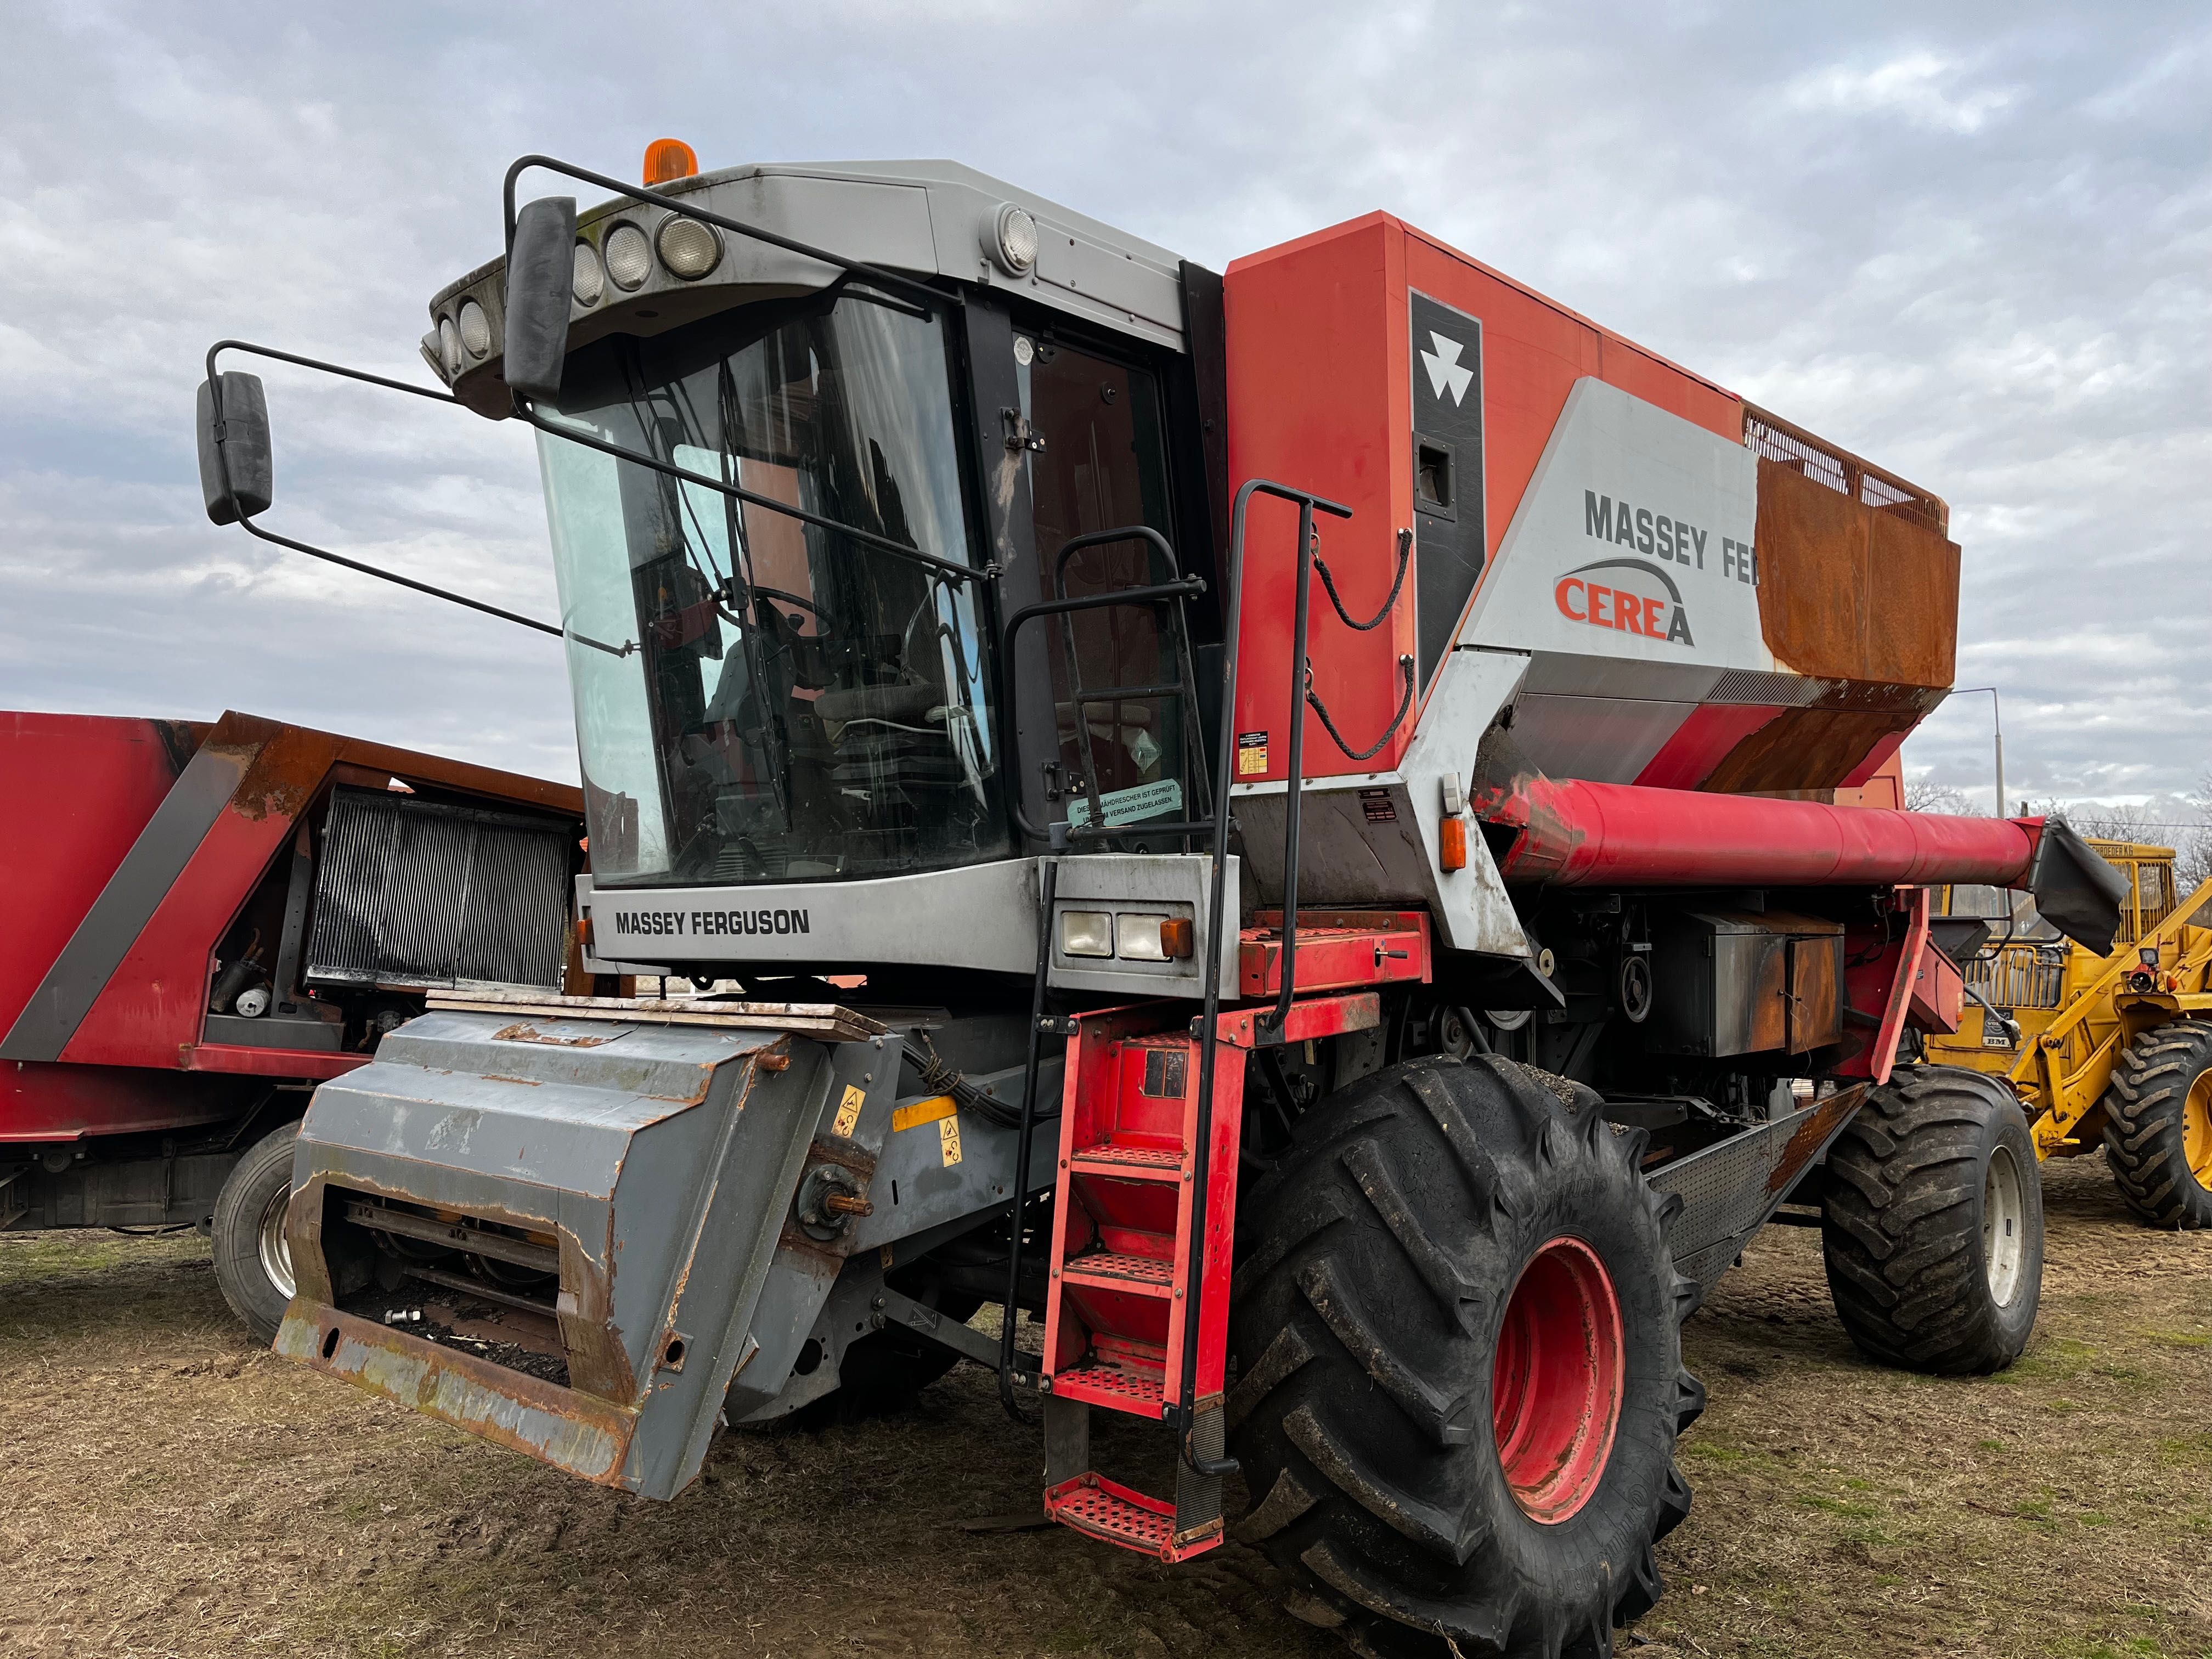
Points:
(2113, 1051)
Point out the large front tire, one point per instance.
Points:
(2158, 1125)
(252, 1262)
(1458, 1327)
(1932, 1224)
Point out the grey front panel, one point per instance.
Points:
(984, 916)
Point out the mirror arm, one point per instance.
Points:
(222, 461)
(221, 346)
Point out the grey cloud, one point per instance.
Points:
(1970, 242)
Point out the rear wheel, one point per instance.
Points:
(2158, 1125)
(1458, 1327)
(1932, 1224)
(253, 1261)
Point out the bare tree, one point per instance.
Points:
(1925, 795)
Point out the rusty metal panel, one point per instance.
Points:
(1849, 593)
(1816, 993)
(658, 1159)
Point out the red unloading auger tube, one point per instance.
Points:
(1572, 834)
(1549, 833)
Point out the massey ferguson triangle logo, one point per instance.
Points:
(1616, 602)
(1445, 368)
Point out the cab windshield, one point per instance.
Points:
(759, 698)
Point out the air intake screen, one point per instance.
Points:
(417, 893)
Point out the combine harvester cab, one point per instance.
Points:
(1292, 828)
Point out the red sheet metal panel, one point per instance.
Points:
(48, 1101)
(1322, 380)
(151, 1009)
(79, 788)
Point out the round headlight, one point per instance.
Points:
(1017, 238)
(690, 248)
(449, 346)
(628, 257)
(590, 282)
(476, 329)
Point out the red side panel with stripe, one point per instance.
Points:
(78, 789)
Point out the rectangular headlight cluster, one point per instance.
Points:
(1134, 937)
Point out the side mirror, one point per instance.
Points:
(234, 433)
(541, 270)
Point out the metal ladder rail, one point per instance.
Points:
(1182, 688)
(1177, 588)
(1210, 1007)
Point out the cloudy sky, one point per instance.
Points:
(1973, 242)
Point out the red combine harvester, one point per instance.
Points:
(1328, 778)
(210, 921)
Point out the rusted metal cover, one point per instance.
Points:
(661, 1158)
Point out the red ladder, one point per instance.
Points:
(1118, 1332)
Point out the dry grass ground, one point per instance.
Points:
(168, 1490)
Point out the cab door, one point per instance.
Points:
(1096, 460)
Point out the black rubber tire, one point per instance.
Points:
(1376, 1263)
(256, 1182)
(1902, 1224)
(2146, 1124)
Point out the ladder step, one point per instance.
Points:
(1135, 1276)
(1111, 1512)
(1130, 1163)
(1139, 1392)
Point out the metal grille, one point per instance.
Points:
(1841, 471)
(2019, 975)
(418, 893)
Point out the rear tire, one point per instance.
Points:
(252, 1262)
(2158, 1125)
(1932, 1224)
(1404, 1414)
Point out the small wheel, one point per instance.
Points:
(1932, 1224)
(252, 1260)
(1635, 988)
(1458, 1326)
(2158, 1125)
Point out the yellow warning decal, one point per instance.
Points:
(948, 1139)
(849, 1111)
(932, 1111)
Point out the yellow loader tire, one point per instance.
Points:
(2158, 1125)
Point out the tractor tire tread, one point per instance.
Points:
(2146, 1124)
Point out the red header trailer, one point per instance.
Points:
(210, 919)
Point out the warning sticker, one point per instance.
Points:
(1251, 754)
(1378, 806)
(849, 1111)
(916, 1113)
(948, 1139)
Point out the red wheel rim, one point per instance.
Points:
(1555, 1394)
